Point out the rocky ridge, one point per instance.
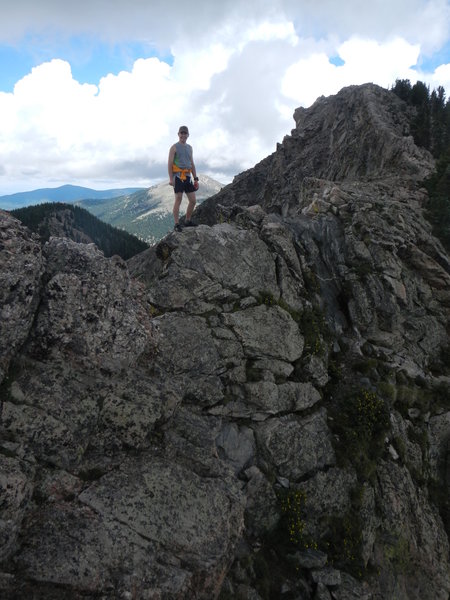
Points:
(253, 408)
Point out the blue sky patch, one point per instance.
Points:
(15, 65)
(337, 61)
(89, 58)
(429, 64)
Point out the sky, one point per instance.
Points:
(92, 92)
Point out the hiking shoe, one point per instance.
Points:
(190, 224)
(178, 227)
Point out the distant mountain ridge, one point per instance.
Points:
(146, 213)
(65, 193)
(143, 212)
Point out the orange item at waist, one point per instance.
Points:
(183, 172)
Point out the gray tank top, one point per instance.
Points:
(183, 156)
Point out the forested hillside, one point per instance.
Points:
(55, 218)
(430, 126)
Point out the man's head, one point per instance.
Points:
(183, 131)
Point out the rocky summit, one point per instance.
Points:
(255, 408)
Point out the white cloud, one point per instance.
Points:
(364, 61)
(422, 21)
(441, 76)
(432, 28)
(158, 23)
(239, 71)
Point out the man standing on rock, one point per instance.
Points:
(181, 169)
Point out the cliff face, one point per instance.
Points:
(257, 407)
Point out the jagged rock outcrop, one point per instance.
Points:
(361, 134)
(21, 268)
(81, 460)
(253, 408)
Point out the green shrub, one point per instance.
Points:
(387, 390)
(292, 505)
(397, 552)
(360, 419)
(344, 543)
(313, 326)
(267, 298)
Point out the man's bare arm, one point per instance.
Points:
(170, 163)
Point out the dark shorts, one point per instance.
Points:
(183, 186)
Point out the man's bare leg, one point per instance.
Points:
(176, 207)
(190, 209)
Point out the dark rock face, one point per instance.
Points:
(83, 472)
(254, 408)
(362, 133)
(21, 268)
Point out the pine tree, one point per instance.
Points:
(430, 127)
